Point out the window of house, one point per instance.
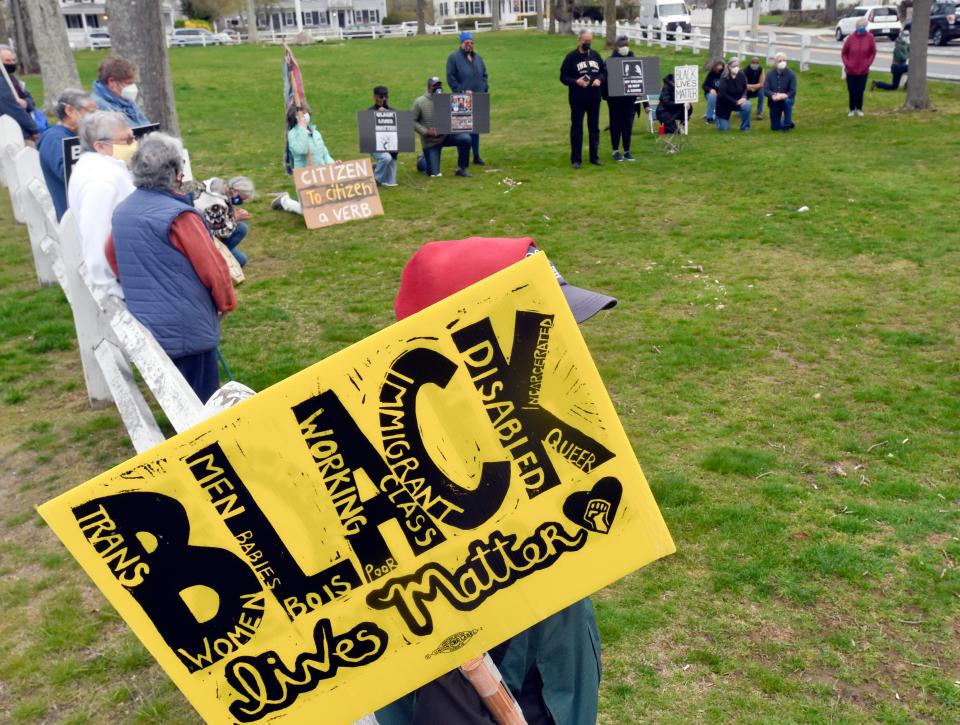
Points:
(73, 21)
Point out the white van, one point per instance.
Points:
(671, 15)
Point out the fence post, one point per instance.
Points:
(663, 36)
(648, 34)
(695, 39)
(805, 53)
(741, 43)
(771, 45)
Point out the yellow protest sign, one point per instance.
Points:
(371, 522)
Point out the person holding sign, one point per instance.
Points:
(174, 280)
(466, 73)
(306, 149)
(780, 88)
(385, 162)
(116, 89)
(434, 143)
(72, 106)
(732, 96)
(622, 109)
(583, 72)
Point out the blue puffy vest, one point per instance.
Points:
(161, 287)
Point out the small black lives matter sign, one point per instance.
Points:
(386, 131)
(633, 76)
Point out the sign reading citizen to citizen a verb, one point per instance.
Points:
(337, 193)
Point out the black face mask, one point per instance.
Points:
(11, 67)
(586, 46)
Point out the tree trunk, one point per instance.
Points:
(564, 11)
(253, 35)
(717, 29)
(23, 35)
(421, 17)
(610, 18)
(830, 12)
(539, 15)
(917, 96)
(5, 35)
(495, 14)
(53, 50)
(553, 17)
(136, 32)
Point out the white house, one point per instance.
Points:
(446, 11)
(84, 16)
(282, 17)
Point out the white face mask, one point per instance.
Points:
(130, 92)
(623, 50)
(306, 118)
(734, 70)
(782, 65)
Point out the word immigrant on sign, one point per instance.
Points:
(337, 193)
(370, 523)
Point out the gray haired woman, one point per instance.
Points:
(174, 279)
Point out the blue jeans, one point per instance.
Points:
(385, 168)
(475, 145)
(201, 372)
(784, 109)
(723, 124)
(897, 70)
(759, 98)
(432, 153)
(711, 106)
(233, 241)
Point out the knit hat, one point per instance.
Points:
(466, 35)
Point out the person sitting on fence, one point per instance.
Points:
(780, 88)
(174, 279)
(710, 85)
(754, 74)
(220, 203)
(385, 162)
(72, 106)
(24, 99)
(669, 112)
(305, 147)
(432, 142)
(116, 89)
(732, 96)
(99, 182)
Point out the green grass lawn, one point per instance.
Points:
(795, 404)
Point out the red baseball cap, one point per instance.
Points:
(438, 269)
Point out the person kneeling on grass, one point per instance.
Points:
(899, 67)
(669, 112)
(385, 162)
(433, 142)
(305, 147)
(732, 96)
(780, 88)
(174, 280)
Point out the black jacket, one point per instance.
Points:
(731, 90)
(578, 65)
(668, 110)
(784, 81)
(711, 83)
(10, 107)
(753, 77)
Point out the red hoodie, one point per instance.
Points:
(859, 50)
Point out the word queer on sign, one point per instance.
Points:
(359, 529)
(337, 193)
(686, 83)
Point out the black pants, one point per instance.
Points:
(201, 372)
(897, 70)
(577, 109)
(855, 88)
(622, 113)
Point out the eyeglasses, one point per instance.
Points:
(381, 95)
(126, 141)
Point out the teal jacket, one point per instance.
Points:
(303, 142)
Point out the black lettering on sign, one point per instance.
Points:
(265, 684)
(491, 565)
(521, 423)
(154, 530)
(265, 551)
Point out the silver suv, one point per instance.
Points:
(194, 36)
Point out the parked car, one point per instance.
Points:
(880, 21)
(231, 36)
(944, 25)
(410, 28)
(98, 40)
(194, 36)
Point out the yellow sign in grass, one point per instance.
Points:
(370, 523)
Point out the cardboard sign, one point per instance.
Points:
(633, 76)
(461, 112)
(337, 193)
(386, 131)
(687, 83)
(71, 148)
(368, 524)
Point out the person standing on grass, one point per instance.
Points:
(754, 74)
(432, 142)
(858, 53)
(467, 73)
(710, 85)
(175, 282)
(732, 97)
(899, 67)
(622, 109)
(780, 88)
(583, 72)
(72, 106)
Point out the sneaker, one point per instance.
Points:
(617, 156)
(759, 116)
(859, 112)
(462, 172)
(596, 162)
(709, 120)
(436, 176)
(576, 164)
(387, 184)
(873, 85)
(627, 156)
(852, 114)
(277, 203)
(790, 126)
(478, 161)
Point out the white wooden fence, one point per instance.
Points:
(766, 43)
(375, 32)
(110, 339)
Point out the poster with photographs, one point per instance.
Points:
(461, 112)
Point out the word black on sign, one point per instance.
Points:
(387, 131)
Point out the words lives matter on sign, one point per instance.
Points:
(368, 524)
